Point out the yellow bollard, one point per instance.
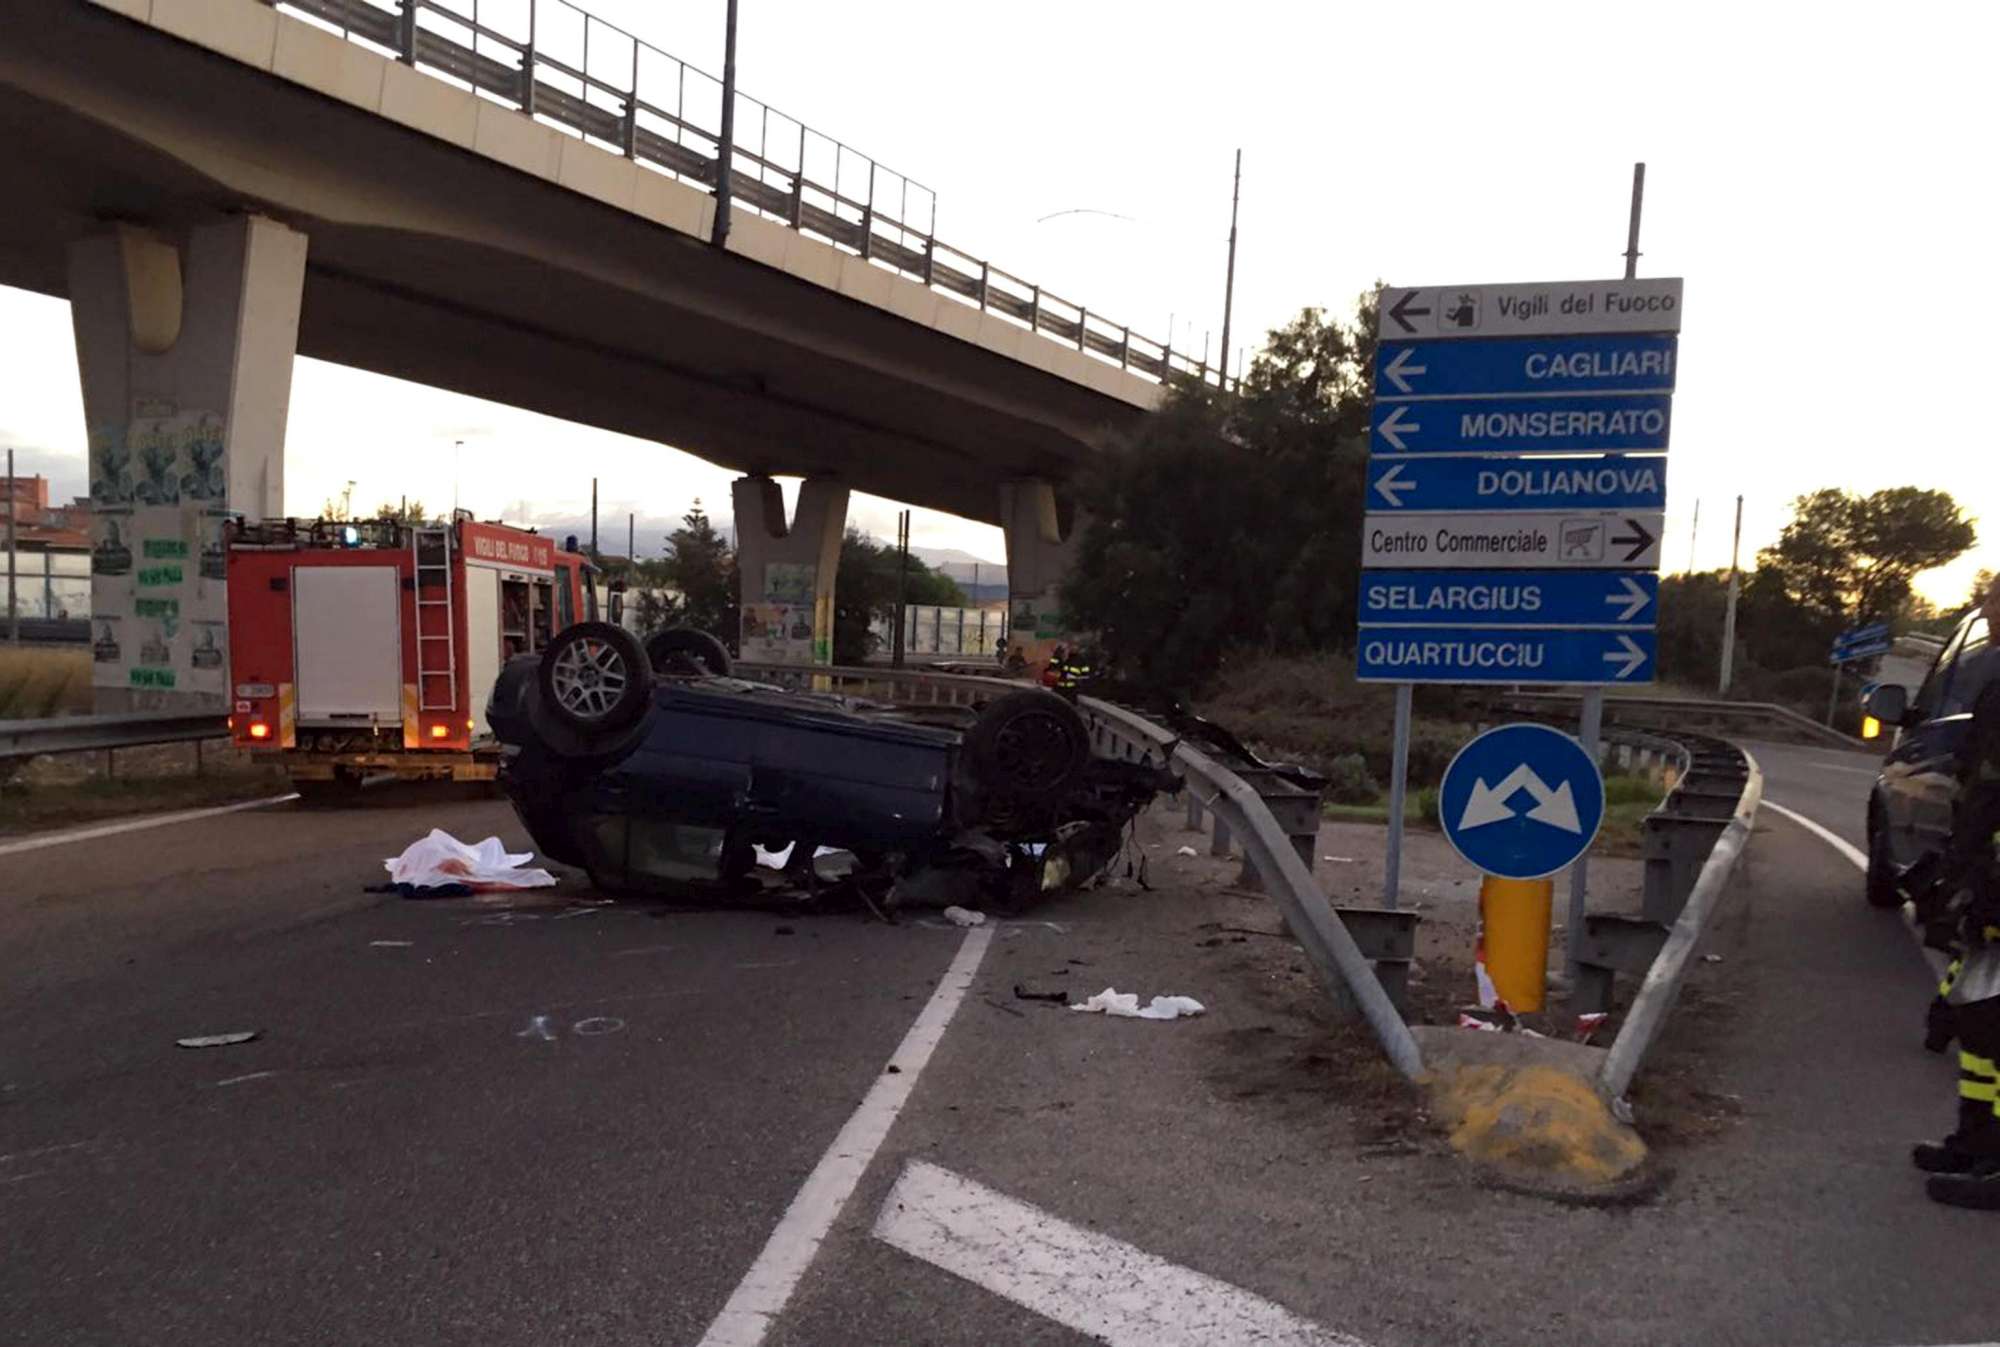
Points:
(1514, 914)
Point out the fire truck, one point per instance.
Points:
(364, 651)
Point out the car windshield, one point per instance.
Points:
(1978, 663)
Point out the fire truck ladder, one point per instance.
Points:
(437, 652)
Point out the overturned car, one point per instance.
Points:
(653, 768)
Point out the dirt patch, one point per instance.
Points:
(37, 681)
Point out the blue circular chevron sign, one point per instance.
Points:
(1521, 801)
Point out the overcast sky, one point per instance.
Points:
(1819, 174)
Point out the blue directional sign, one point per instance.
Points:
(1521, 801)
(1503, 655)
(1509, 598)
(1612, 363)
(1861, 643)
(1610, 423)
(1517, 483)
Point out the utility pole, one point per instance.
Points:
(1229, 286)
(631, 538)
(1590, 729)
(1729, 612)
(593, 517)
(902, 587)
(726, 141)
(1694, 532)
(13, 508)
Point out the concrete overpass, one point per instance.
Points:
(214, 183)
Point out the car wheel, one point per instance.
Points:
(594, 678)
(1027, 744)
(688, 650)
(1882, 889)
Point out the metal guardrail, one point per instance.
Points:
(633, 99)
(1238, 809)
(86, 734)
(1669, 967)
(1682, 710)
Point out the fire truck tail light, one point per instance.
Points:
(440, 731)
(259, 730)
(468, 724)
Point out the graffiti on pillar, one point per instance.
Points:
(157, 565)
(784, 626)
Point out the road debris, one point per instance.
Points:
(1023, 993)
(1187, 851)
(964, 916)
(217, 1040)
(1125, 1005)
(439, 859)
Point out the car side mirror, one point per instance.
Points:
(1889, 703)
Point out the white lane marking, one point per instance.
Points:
(1080, 1278)
(1838, 843)
(40, 840)
(390, 944)
(644, 949)
(1859, 859)
(761, 1295)
(238, 1080)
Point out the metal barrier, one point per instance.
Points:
(1239, 811)
(1669, 967)
(85, 734)
(634, 99)
(1676, 712)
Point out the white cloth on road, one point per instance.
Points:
(441, 859)
(1126, 1006)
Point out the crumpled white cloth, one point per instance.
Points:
(442, 859)
(1126, 1005)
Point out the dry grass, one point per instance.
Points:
(38, 681)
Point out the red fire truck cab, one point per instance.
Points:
(365, 650)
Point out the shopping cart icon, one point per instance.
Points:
(1582, 540)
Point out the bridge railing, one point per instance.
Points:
(558, 63)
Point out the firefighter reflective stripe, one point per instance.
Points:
(1978, 1079)
(412, 729)
(1951, 973)
(288, 716)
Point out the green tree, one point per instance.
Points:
(1850, 558)
(865, 589)
(408, 512)
(701, 565)
(1234, 520)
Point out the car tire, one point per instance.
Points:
(688, 650)
(1881, 886)
(1026, 745)
(551, 736)
(594, 679)
(507, 704)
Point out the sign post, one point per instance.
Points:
(1516, 496)
(1856, 643)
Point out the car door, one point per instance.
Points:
(1919, 780)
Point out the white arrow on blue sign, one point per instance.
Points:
(1521, 801)
(1610, 423)
(1509, 598)
(1517, 484)
(1634, 363)
(1503, 655)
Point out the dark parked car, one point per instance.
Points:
(1910, 809)
(652, 768)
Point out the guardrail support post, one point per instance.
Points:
(406, 32)
(1035, 311)
(1193, 812)
(1218, 842)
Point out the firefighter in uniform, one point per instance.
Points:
(1965, 1166)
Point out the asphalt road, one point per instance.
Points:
(460, 1123)
(543, 1121)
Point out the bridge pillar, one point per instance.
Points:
(787, 568)
(1041, 542)
(185, 350)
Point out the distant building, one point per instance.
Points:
(51, 558)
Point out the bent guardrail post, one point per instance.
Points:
(1663, 980)
(1288, 882)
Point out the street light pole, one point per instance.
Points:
(1229, 286)
(726, 141)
